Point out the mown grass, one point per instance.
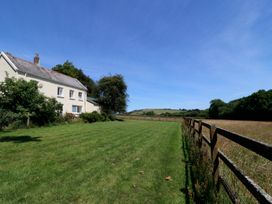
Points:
(113, 162)
(253, 165)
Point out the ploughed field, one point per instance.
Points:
(253, 165)
(112, 162)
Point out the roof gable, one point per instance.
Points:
(43, 73)
(5, 57)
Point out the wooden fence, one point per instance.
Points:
(193, 128)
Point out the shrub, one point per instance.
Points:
(96, 117)
(68, 117)
(6, 118)
(47, 112)
(91, 117)
(105, 117)
(112, 118)
(149, 113)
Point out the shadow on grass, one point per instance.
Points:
(20, 139)
(188, 189)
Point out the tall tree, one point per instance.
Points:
(69, 69)
(215, 108)
(112, 94)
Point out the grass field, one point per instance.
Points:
(113, 162)
(256, 167)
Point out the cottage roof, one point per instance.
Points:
(43, 73)
(92, 100)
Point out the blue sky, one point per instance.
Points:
(172, 53)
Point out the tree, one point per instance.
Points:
(69, 69)
(112, 94)
(22, 99)
(149, 113)
(215, 108)
(257, 106)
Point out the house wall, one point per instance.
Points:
(5, 69)
(49, 88)
(91, 107)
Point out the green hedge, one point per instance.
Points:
(96, 117)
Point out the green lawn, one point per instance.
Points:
(113, 162)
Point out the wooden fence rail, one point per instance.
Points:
(194, 129)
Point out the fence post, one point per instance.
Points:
(214, 153)
(187, 124)
(190, 127)
(200, 133)
(193, 128)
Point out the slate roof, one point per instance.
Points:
(92, 100)
(43, 73)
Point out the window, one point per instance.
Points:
(71, 94)
(60, 91)
(80, 95)
(79, 109)
(76, 109)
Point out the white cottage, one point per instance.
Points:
(67, 90)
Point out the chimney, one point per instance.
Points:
(37, 59)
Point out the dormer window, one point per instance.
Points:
(71, 94)
(80, 96)
(60, 92)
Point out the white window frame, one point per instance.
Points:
(78, 109)
(62, 92)
(73, 94)
(80, 97)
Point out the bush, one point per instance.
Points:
(47, 112)
(91, 117)
(149, 113)
(96, 117)
(69, 117)
(6, 118)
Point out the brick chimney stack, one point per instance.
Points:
(37, 59)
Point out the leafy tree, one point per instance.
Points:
(69, 69)
(257, 106)
(19, 95)
(215, 108)
(22, 99)
(112, 94)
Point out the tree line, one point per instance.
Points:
(257, 106)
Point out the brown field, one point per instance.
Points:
(253, 165)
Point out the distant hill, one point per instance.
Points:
(155, 110)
